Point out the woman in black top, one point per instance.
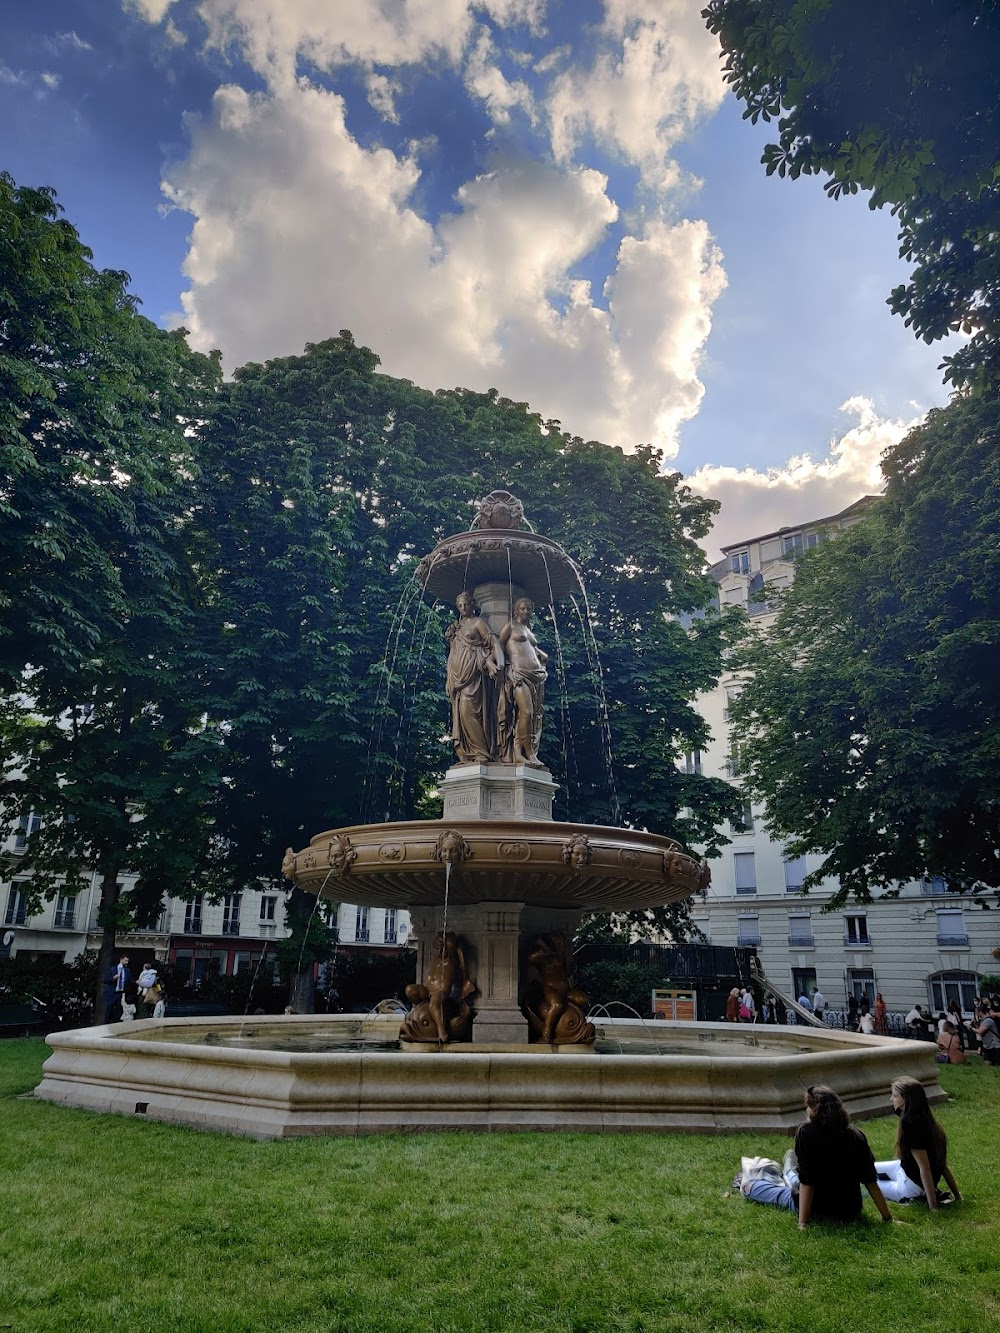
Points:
(921, 1149)
(833, 1162)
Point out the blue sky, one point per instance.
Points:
(555, 197)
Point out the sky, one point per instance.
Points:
(555, 198)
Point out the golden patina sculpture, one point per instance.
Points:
(519, 716)
(554, 1007)
(475, 660)
(440, 1012)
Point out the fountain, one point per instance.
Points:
(497, 1037)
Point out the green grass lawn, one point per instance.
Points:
(131, 1226)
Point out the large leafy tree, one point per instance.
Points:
(100, 736)
(324, 482)
(904, 102)
(870, 721)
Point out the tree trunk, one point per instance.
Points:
(302, 996)
(106, 954)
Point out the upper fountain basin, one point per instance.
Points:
(537, 565)
(542, 864)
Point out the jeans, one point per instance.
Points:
(768, 1190)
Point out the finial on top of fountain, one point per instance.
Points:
(501, 510)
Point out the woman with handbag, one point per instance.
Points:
(921, 1150)
(950, 1050)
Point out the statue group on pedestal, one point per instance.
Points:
(496, 686)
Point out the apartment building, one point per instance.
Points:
(928, 946)
(198, 936)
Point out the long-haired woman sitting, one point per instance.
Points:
(831, 1161)
(921, 1149)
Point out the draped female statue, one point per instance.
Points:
(475, 660)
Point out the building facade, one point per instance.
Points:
(197, 936)
(928, 946)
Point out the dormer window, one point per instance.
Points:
(739, 562)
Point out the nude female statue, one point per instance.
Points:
(474, 661)
(520, 726)
(557, 1015)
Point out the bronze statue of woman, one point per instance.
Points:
(475, 660)
(520, 723)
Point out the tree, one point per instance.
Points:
(904, 102)
(870, 721)
(100, 737)
(324, 482)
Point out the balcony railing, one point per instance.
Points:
(801, 942)
(192, 925)
(361, 935)
(855, 942)
(65, 920)
(751, 888)
(732, 765)
(390, 935)
(231, 927)
(953, 941)
(748, 941)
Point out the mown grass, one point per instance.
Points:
(114, 1223)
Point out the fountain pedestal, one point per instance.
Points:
(495, 936)
(497, 791)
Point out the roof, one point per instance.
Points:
(854, 508)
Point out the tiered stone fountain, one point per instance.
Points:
(497, 1038)
(496, 871)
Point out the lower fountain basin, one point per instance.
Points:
(716, 1079)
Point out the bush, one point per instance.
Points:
(356, 979)
(612, 982)
(63, 993)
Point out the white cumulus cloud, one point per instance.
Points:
(804, 488)
(300, 231)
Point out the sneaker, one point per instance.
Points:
(738, 1183)
(790, 1169)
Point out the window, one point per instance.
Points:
(951, 929)
(814, 539)
(26, 826)
(692, 761)
(746, 873)
(361, 925)
(65, 918)
(242, 962)
(948, 986)
(795, 874)
(743, 823)
(732, 762)
(739, 562)
(803, 982)
(792, 544)
(747, 930)
(390, 925)
(733, 692)
(934, 886)
(192, 916)
(856, 931)
(800, 931)
(231, 914)
(267, 906)
(17, 905)
(861, 984)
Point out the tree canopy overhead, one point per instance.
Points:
(902, 101)
(870, 720)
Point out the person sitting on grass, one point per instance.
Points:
(921, 1150)
(823, 1174)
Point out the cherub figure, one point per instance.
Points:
(440, 1012)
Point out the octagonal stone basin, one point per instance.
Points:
(214, 1074)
